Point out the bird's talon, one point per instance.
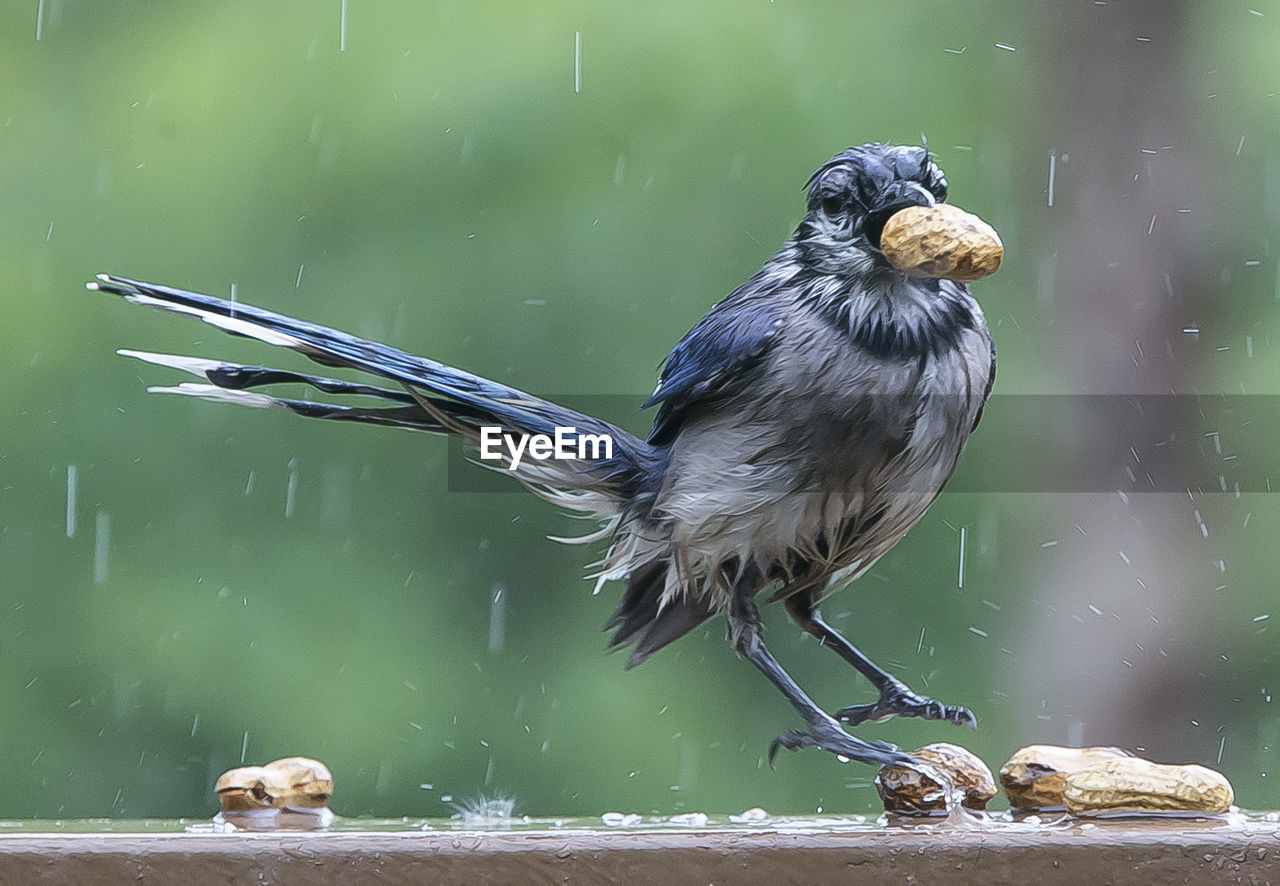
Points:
(792, 740)
(837, 741)
(899, 701)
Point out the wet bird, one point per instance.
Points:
(803, 426)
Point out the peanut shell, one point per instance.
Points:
(1131, 784)
(941, 241)
(247, 789)
(292, 782)
(1035, 776)
(915, 792)
(306, 783)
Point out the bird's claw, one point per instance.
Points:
(899, 701)
(829, 737)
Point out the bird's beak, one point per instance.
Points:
(897, 196)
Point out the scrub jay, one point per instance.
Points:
(804, 425)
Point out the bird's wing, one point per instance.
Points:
(714, 360)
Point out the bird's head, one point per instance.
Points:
(851, 197)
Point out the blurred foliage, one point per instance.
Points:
(438, 183)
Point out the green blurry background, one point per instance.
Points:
(426, 173)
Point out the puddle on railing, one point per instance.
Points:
(750, 822)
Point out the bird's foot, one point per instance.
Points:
(828, 736)
(898, 701)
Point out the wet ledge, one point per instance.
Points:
(1106, 852)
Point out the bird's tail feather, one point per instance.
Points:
(231, 383)
(435, 398)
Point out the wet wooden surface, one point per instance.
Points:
(1106, 852)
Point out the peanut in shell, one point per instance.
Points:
(1035, 776)
(912, 791)
(292, 783)
(941, 241)
(1134, 785)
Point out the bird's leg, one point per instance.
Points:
(895, 698)
(824, 731)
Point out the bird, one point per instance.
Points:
(803, 426)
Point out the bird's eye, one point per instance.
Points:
(832, 206)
